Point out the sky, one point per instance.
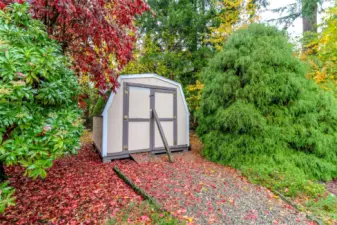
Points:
(295, 30)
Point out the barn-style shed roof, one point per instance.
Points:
(147, 75)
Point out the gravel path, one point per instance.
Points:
(202, 192)
(205, 193)
(332, 186)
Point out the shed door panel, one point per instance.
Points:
(168, 130)
(139, 118)
(164, 104)
(139, 135)
(139, 102)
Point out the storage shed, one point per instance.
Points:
(127, 123)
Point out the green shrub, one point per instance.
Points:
(6, 196)
(39, 117)
(326, 205)
(260, 114)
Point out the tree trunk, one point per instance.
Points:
(3, 176)
(309, 20)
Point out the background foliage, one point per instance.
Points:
(91, 101)
(172, 39)
(173, 42)
(231, 15)
(259, 113)
(177, 38)
(322, 56)
(193, 97)
(39, 117)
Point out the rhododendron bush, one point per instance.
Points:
(98, 35)
(39, 117)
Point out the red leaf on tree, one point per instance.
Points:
(98, 35)
(2, 5)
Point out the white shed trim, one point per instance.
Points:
(108, 104)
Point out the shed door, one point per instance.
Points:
(140, 133)
(165, 105)
(138, 118)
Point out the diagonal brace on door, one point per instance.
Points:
(161, 131)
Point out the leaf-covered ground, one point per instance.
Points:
(80, 189)
(77, 189)
(203, 192)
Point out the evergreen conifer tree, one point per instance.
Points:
(261, 114)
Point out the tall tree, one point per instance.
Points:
(98, 35)
(175, 33)
(179, 37)
(305, 9)
(309, 15)
(309, 22)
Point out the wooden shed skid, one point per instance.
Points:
(126, 154)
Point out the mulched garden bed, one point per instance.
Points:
(78, 189)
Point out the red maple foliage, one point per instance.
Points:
(98, 35)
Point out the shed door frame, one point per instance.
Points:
(126, 119)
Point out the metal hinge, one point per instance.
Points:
(125, 147)
(125, 117)
(126, 92)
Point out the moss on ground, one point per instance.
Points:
(143, 213)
